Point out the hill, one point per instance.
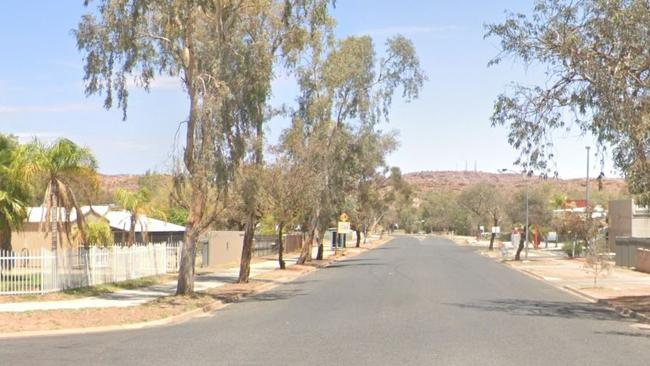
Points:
(456, 181)
(425, 181)
(109, 183)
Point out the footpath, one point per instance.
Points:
(125, 298)
(623, 289)
(155, 305)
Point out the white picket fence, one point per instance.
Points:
(42, 271)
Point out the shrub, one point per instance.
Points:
(568, 249)
(99, 233)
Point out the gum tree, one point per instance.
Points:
(342, 92)
(596, 57)
(220, 52)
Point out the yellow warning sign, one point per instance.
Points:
(344, 217)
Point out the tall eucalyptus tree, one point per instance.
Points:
(597, 61)
(222, 52)
(342, 93)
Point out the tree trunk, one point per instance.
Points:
(185, 284)
(494, 234)
(358, 231)
(54, 221)
(521, 246)
(5, 244)
(252, 206)
(281, 247)
(305, 253)
(321, 246)
(365, 233)
(247, 251)
(5, 238)
(131, 238)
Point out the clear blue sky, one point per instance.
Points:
(41, 89)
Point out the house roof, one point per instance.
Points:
(117, 219)
(121, 220)
(37, 214)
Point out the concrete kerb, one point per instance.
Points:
(625, 312)
(205, 311)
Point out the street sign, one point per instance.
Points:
(496, 229)
(343, 227)
(344, 217)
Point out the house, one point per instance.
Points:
(154, 230)
(31, 237)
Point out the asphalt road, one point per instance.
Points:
(411, 302)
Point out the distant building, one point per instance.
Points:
(598, 212)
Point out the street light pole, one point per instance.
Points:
(587, 212)
(587, 196)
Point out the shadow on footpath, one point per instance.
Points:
(555, 309)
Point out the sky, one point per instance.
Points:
(447, 128)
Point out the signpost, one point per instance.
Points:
(342, 229)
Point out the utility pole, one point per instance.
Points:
(587, 191)
(587, 212)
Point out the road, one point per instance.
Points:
(411, 302)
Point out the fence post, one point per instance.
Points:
(113, 252)
(42, 271)
(165, 257)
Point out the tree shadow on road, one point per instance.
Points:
(275, 295)
(626, 334)
(556, 309)
(345, 264)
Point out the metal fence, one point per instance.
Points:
(626, 250)
(42, 271)
(265, 245)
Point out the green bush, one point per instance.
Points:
(99, 233)
(568, 249)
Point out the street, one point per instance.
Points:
(413, 301)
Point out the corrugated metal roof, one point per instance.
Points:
(117, 219)
(122, 220)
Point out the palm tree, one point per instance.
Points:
(137, 204)
(13, 190)
(62, 164)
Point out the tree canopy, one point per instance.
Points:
(596, 57)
